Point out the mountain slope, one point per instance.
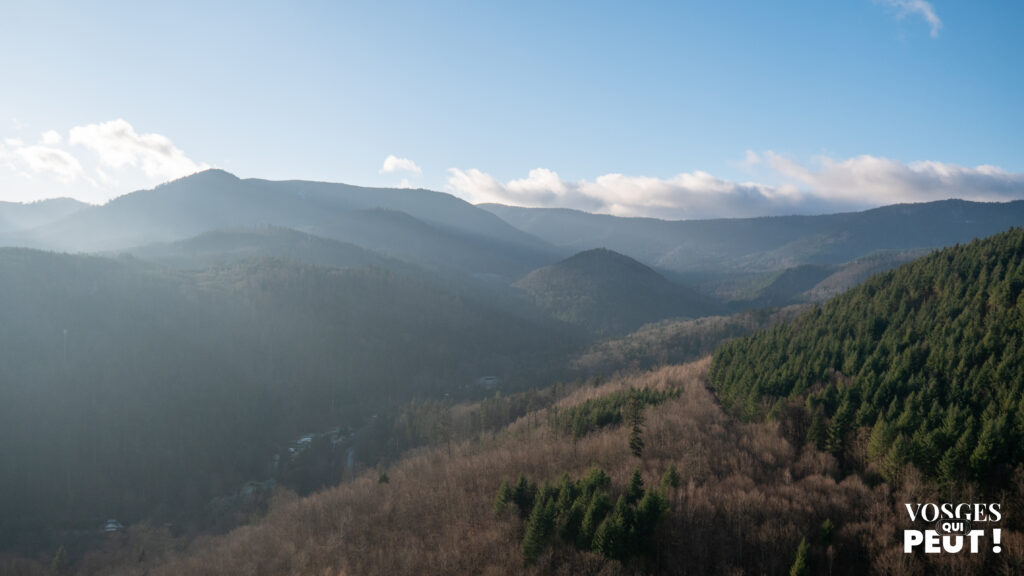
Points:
(609, 293)
(768, 244)
(132, 391)
(928, 357)
(220, 247)
(16, 216)
(435, 225)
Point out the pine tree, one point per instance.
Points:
(538, 530)
(635, 412)
(817, 433)
(671, 478)
(635, 490)
(523, 495)
(649, 513)
(800, 567)
(598, 508)
(503, 498)
(572, 522)
(609, 539)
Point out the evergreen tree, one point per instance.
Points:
(635, 490)
(538, 530)
(600, 505)
(572, 522)
(800, 567)
(817, 432)
(649, 513)
(523, 495)
(671, 478)
(610, 536)
(503, 498)
(828, 530)
(635, 410)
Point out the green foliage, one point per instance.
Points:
(608, 410)
(800, 567)
(503, 498)
(828, 531)
(635, 490)
(539, 529)
(523, 495)
(671, 478)
(649, 513)
(610, 537)
(635, 414)
(580, 514)
(928, 356)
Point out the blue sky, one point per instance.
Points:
(670, 109)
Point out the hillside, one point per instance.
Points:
(921, 365)
(425, 227)
(131, 391)
(220, 247)
(674, 341)
(609, 293)
(17, 217)
(830, 467)
(710, 247)
(741, 500)
(857, 271)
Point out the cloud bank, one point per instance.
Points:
(94, 163)
(823, 186)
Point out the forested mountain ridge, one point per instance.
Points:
(926, 359)
(610, 294)
(767, 243)
(226, 246)
(417, 225)
(131, 391)
(17, 216)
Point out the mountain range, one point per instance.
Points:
(215, 332)
(728, 258)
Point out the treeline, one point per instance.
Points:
(606, 410)
(922, 365)
(745, 501)
(673, 341)
(580, 513)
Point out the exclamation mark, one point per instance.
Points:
(996, 532)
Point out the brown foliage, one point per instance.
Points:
(746, 499)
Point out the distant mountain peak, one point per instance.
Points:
(208, 175)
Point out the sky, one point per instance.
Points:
(674, 110)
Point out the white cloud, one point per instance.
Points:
(117, 145)
(395, 164)
(872, 180)
(47, 160)
(691, 195)
(825, 185)
(918, 7)
(51, 138)
(95, 163)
